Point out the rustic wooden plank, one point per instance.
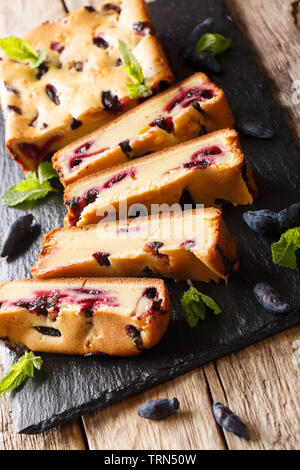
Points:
(119, 427)
(272, 30)
(261, 385)
(20, 16)
(67, 437)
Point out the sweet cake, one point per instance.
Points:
(193, 107)
(192, 245)
(82, 84)
(212, 167)
(119, 317)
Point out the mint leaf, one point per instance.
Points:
(134, 71)
(32, 188)
(21, 51)
(194, 304)
(284, 251)
(137, 90)
(20, 371)
(46, 172)
(210, 303)
(42, 56)
(130, 63)
(213, 43)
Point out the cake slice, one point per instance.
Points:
(193, 107)
(119, 317)
(82, 83)
(213, 168)
(192, 245)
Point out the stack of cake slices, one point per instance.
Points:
(90, 294)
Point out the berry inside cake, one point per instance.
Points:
(118, 317)
(193, 107)
(213, 168)
(192, 245)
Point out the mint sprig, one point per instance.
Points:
(213, 43)
(284, 251)
(134, 71)
(195, 305)
(46, 172)
(19, 372)
(33, 188)
(21, 51)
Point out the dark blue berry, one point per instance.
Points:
(166, 124)
(90, 9)
(99, 41)
(47, 331)
(290, 217)
(110, 102)
(91, 196)
(15, 109)
(42, 70)
(135, 336)
(52, 94)
(150, 293)
(11, 89)
(270, 299)
(202, 28)
(264, 221)
(112, 6)
(102, 258)
(75, 123)
(158, 409)
(20, 229)
(230, 421)
(126, 147)
(76, 162)
(255, 127)
(154, 247)
(143, 28)
(73, 203)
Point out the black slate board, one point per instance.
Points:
(71, 386)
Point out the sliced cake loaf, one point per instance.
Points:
(119, 317)
(82, 83)
(192, 245)
(193, 107)
(212, 167)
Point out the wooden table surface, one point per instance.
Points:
(259, 383)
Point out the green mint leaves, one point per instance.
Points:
(284, 251)
(33, 188)
(19, 372)
(134, 71)
(46, 172)
(195, 305)
(213, 43)
(21, 51)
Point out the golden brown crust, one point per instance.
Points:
(116, 330)
(52, 127)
